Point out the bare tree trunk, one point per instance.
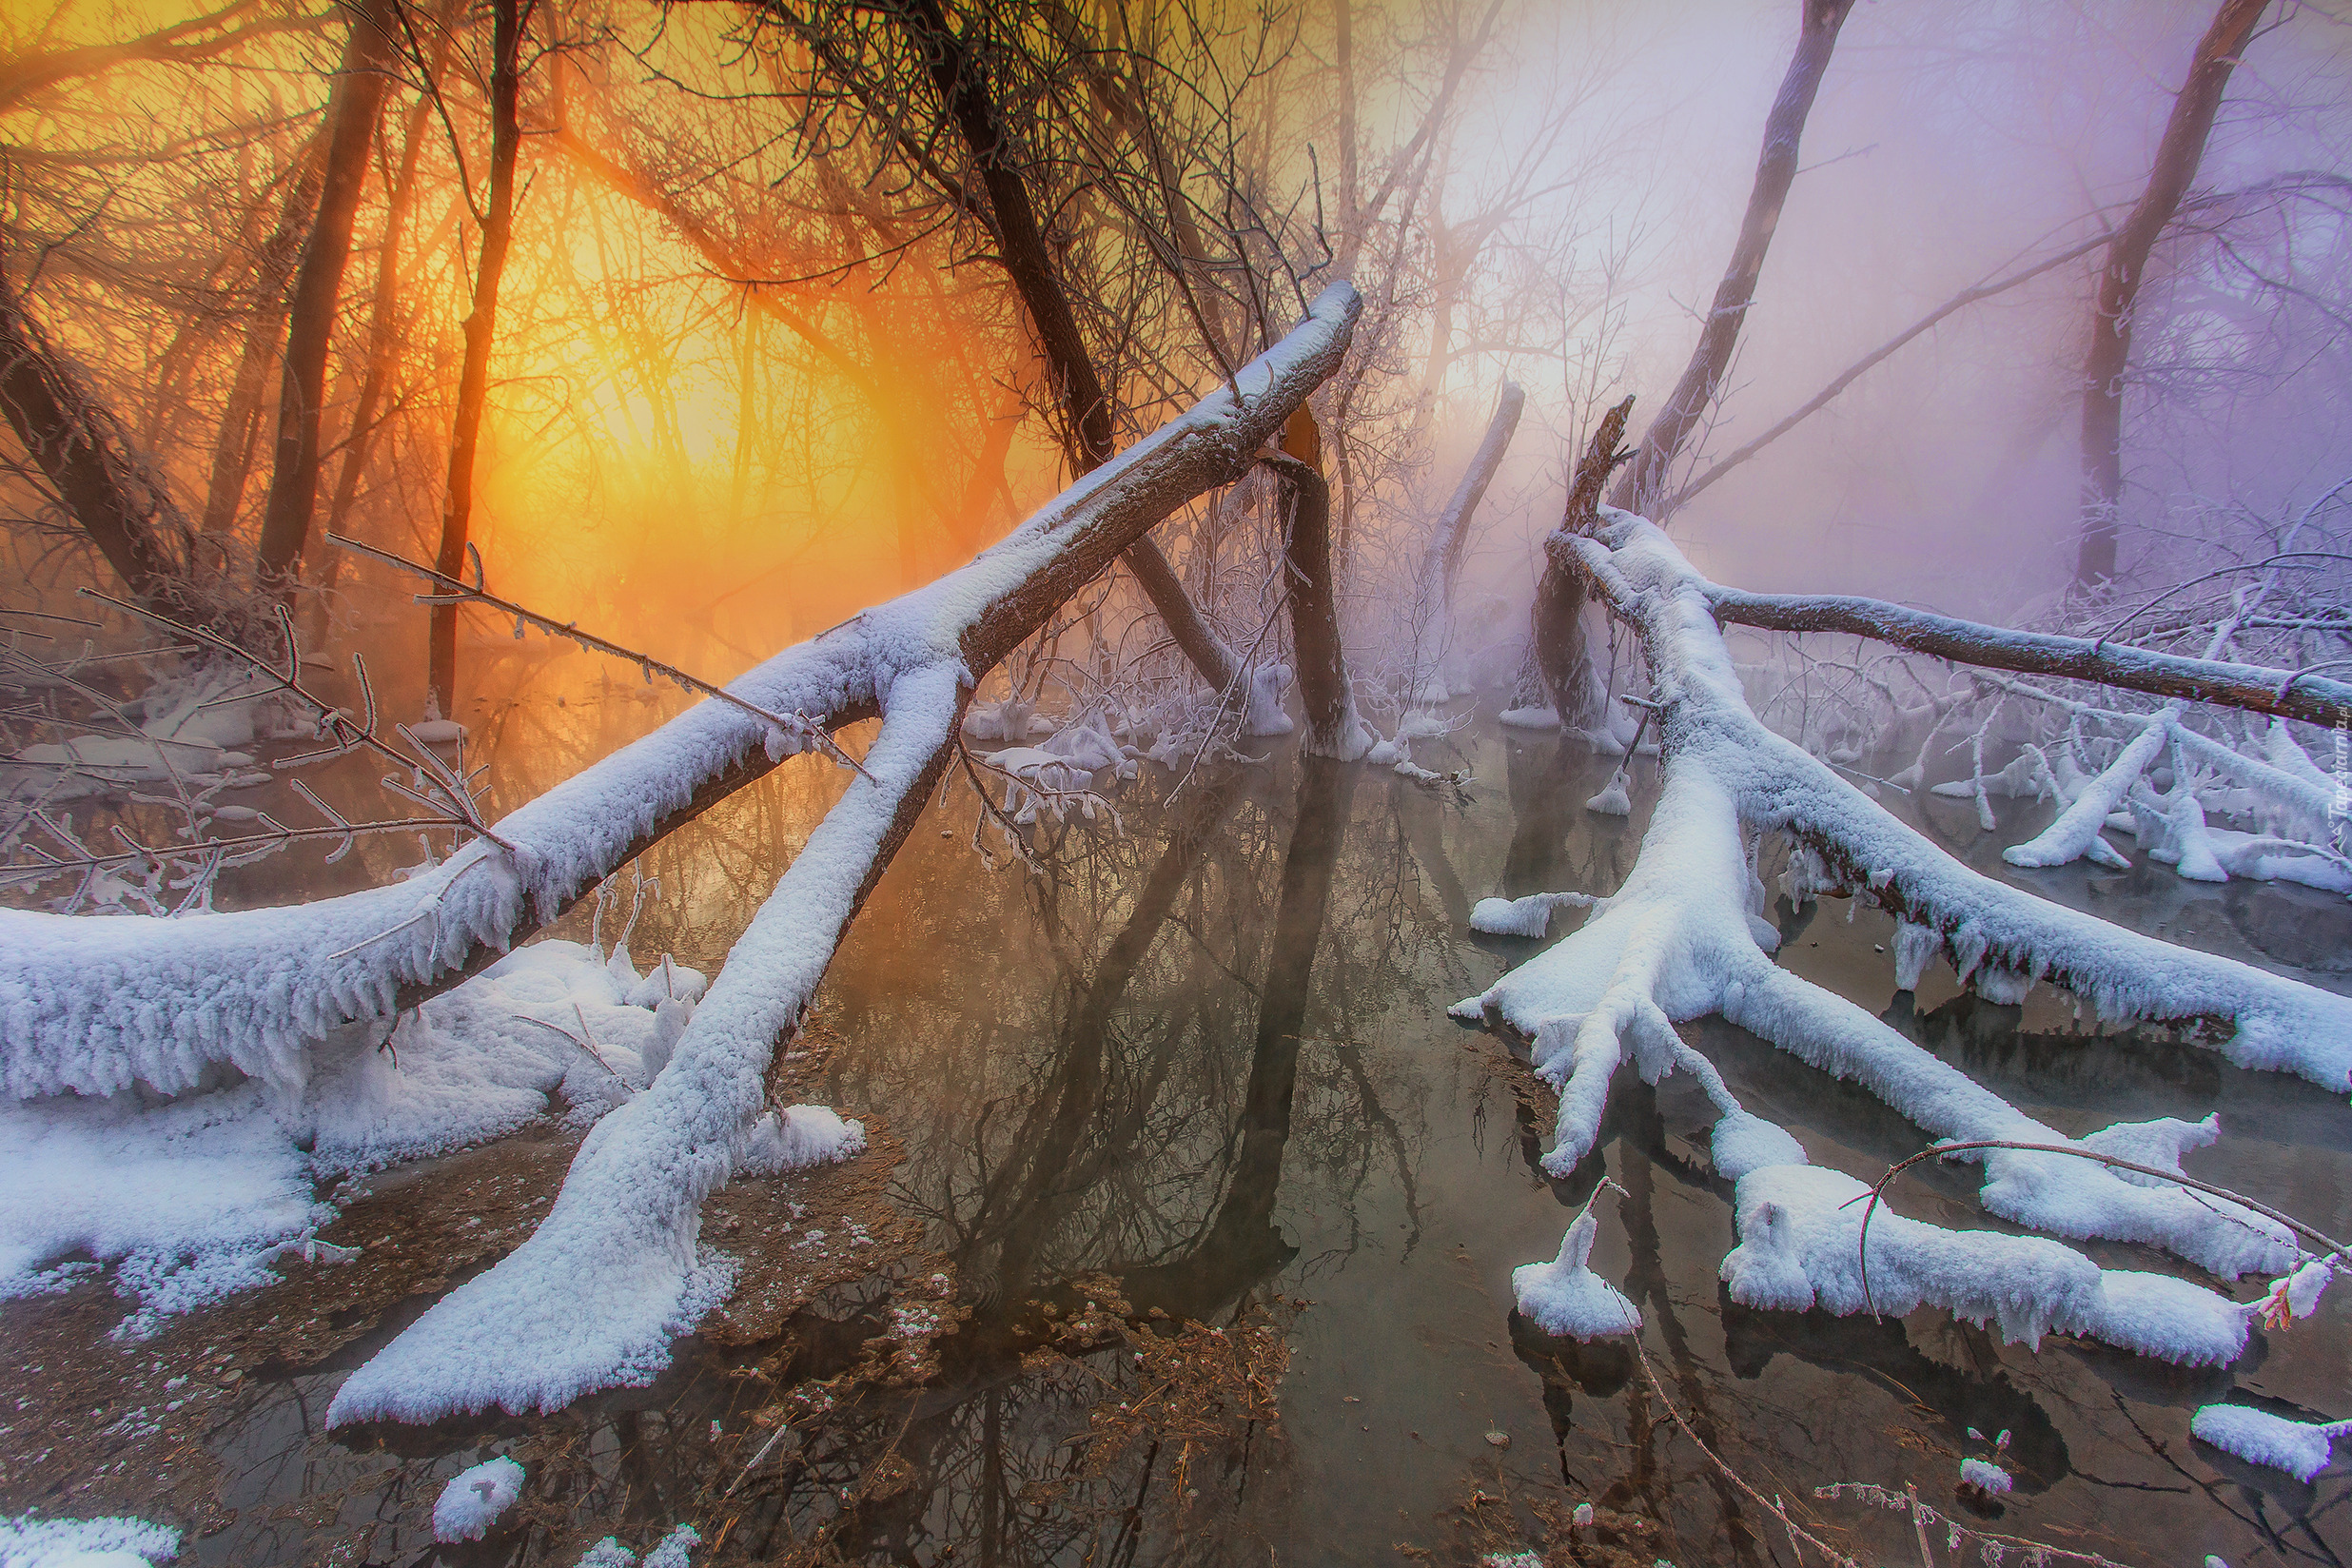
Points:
(361, 443)
(480, 329)
(318, 289)
(1333, 727)
(2177, 157)
(81, 449)
(1451, 541)
(1086, 406)
(232, 454)
(1644, 484)
(1559, 648)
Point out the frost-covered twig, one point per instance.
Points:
(452, 591)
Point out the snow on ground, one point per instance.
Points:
(192, 1197)
(474, 1499)
(27, 1543)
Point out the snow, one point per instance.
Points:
(1565, 1298)
(1528, 916)
(1985, 1475)
(1800, 1234)
(194, 1197)
(28, 1542)
(2299, 1448)
(596, 1294)
(93, 1006)
(1683, 938)
(474, 1499)
(796, 1139)
(672, 1551)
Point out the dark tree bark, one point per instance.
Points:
(1559, 646)
(963, 89)
(480, 329)
(241, 422)
(361, 443)
(1333, 728)
(80, 449)
(318, 289)
(2177, 157)
(1644, 484)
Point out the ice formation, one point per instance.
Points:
(1565, 1298)
(2299, 1448)
(796, 1138)
(1683, 938)
(30, 1542)
(474, 1499)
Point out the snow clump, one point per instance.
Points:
(2299, 1448)
(1566, 1299)
(474, 1499)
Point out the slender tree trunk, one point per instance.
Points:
(80, 448)
(318, 289)
(481, 328)
(361, 440)
(1333, 727)
(2177, 157)
(1645, 483)
(232, 454)
(1022, 249)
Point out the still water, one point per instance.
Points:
(1195, 1070)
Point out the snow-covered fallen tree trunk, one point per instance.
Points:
(92, 1005)
(2315, 699)
(1684, 937)
(594, 1297)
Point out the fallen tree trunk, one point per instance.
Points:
(594, 1297)
(2315, 699)
(92, 1006)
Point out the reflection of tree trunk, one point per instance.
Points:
(480, 329)
(232, 452)
(1239, 1246)
(1425, 830)
(1647, 1285)
(963, 87)
(79, 447)
(318, 289)
(1644, 483)
(1047, 1146)
(2177, 157)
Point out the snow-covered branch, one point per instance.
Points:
(1684, 937)
(95, 1006)
(2315, 699)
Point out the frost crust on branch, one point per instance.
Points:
(1684, 938)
